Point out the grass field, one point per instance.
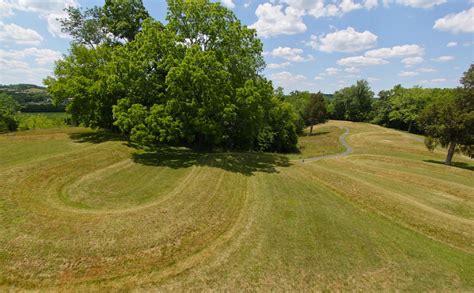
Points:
(81, 210)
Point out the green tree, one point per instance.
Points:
(449, 120)
(8, 113)
(353, 103)
(123, 18)
(315, 111)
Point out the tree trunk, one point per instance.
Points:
(311, 129)
(409, 126)
(449, 158)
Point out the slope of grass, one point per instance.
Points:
(81, 210)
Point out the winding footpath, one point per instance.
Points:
(342, 140)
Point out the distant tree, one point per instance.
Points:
(315, 111)
(8, 113)
(353, 103)
(449, 120)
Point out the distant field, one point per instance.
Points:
(29, 121)
(81, 210)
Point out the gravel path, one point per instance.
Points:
(342, 140)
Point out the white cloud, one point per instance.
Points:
(273, 21)
(228, 3)
(318, 77)
(397, 51)
(278, 65)
(331, 71)
(462, 22)
(372, 79)
(48, 11)
(410, 61)
(452, 44)
(426, 70)
(369, 4)
(289, 80)
(290, 54)
(417, 3)
(19, 35)
(438, 80)
(348, 40)
(352, 70)
(443, 58)
(15, 71)
(41, 56)
(360, 61)
(408, 74)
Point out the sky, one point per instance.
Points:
(314, 45)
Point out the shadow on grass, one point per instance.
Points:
(316, 133)
(244, 163)
(96, 137)
(461, 165)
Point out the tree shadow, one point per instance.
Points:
(244, 163)
(315, 133)
(461, 165)
(96, 137)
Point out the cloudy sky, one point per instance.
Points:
(309, 44)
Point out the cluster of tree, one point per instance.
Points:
(445, 116)
(195, 80)
(8, 113)
(31, 98)
(311, 108)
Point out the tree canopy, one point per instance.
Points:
(8, 113)
(315, 111)
(449, 120)
(195, 80)
(353, 103)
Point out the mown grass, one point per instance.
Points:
(82, 211)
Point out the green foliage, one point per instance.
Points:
(353, 103)
(449, 120)
(8, 113)
(193, 81)
(29, 121)
(315, 111)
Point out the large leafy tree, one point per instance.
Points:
(8, 113)
(353, 103)
(449, 120)
(195, 80)
(315, 111)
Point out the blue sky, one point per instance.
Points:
(309, 44)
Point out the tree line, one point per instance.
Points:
(444, 116)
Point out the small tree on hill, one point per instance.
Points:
(8, 110)
(315, 111)
(449, 121)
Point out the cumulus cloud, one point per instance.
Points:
(426, 70)
(332, 71)
(49, 11)
(278, 65)
(357, 61)
(348, 40)
(408, 74)
(273, 20)
(410, 61)
(397, 51)
(452, 44)
(228, 3)
(318, 8)
(417, 3)
(462, 22)
(291, 54)
(41, 56)
(443, 58)
(17, 34)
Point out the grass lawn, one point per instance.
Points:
(81, 211)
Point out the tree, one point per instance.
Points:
(8, 113)
(194, 81)
(353, 103)
(449, 120)
(315, 111)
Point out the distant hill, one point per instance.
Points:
(32, 98)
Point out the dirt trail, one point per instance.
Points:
(342, 140)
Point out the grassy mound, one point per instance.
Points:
(81, 210)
